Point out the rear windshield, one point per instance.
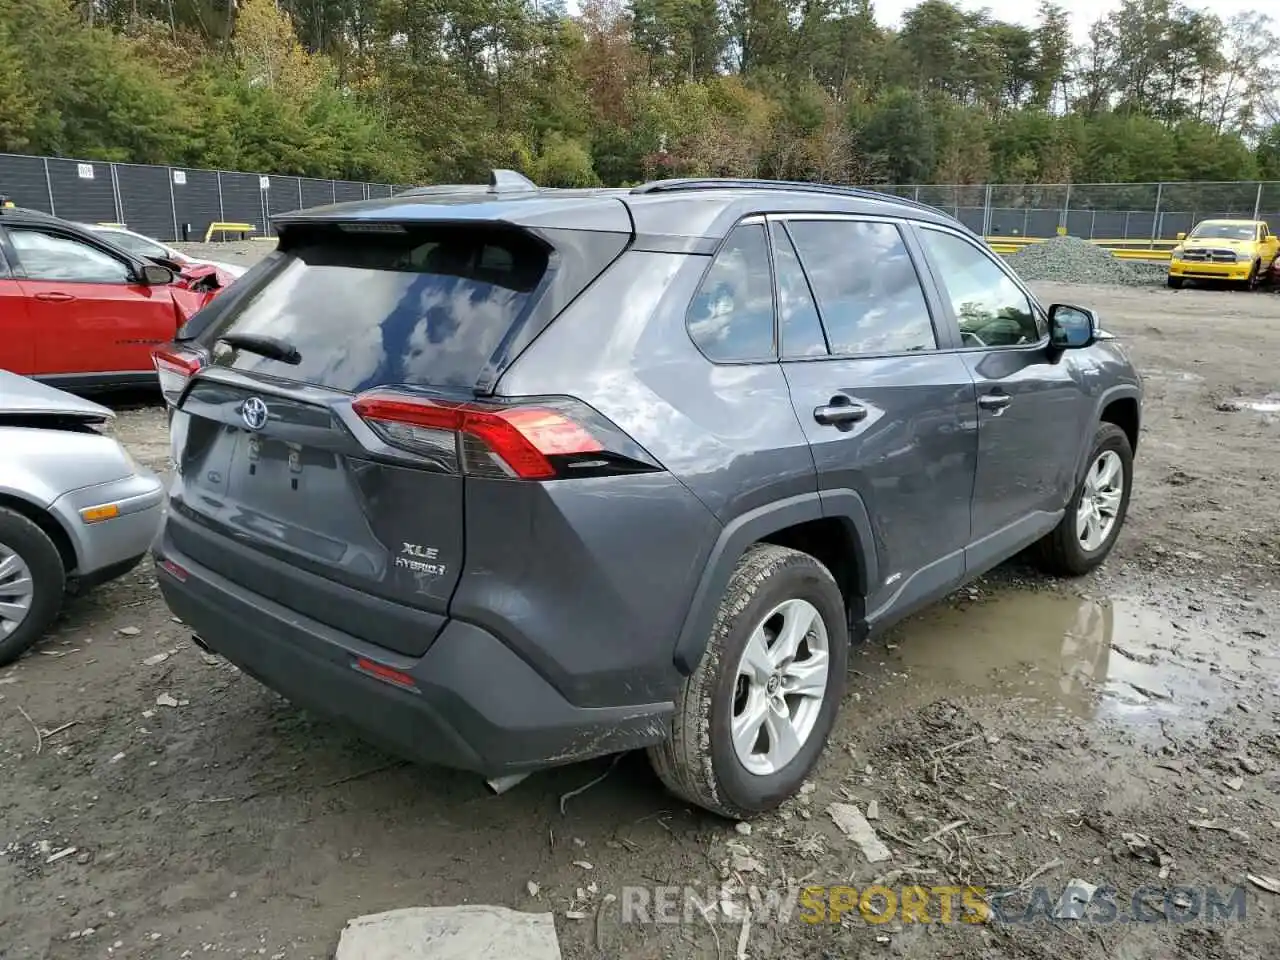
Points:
(424, 307)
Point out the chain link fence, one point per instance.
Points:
(1097, 211)
(178, 203)
(167, 203)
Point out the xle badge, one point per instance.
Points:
(420, 553)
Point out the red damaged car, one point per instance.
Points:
(79, 312)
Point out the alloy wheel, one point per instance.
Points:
(1100, 500)
(781, 683)
(17, 591)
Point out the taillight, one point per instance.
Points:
(175, 365)
(533, 439)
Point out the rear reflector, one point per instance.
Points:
(381, 671)
(175, 366)
(526, 441)
(174, 570)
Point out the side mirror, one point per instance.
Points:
(1182, 236)
(154, 275)
(1071, 328)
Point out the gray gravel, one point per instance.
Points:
(1072, 260)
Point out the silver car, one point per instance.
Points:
(75, 508)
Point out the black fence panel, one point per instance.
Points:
(195, 198)
(1041, 223)
(145, 200)
(83, 191)
(347, 190)
(971, 217)
(22, 181)
(1080, 223)
(283, 196)
(316, 193)
(379, 190)
(242, 201)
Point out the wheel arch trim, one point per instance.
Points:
(1122, 391)
(753, 526)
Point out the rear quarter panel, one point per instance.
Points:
(635, 549)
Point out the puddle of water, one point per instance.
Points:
(1261, 406)
(1155, 373)
(1100, 659)
(1267, 404)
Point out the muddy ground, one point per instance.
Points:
(1121, 730)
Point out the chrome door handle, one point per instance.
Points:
(994, 401)
(834, 414)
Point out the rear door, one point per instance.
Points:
(276, 466)
(17, 349)
(886, 404)
(1268, 245)
(89, 314)
(1031, 406)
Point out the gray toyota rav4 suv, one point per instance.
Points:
(512, 477)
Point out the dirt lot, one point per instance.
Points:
(1121, 730)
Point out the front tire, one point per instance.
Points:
(1255, 276)
(1175, 283)
(1088, 530)
(32, 583)
(754, 716)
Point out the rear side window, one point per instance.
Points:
(731, 317)
(867, 288)
(421, 307)
(801, 328)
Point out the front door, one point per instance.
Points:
(887, 408)
(17, 352)
(89, 314)
(1029, 404)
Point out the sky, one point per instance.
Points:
(1083, 12)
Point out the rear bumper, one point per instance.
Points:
(1210, 271)
(475, 705)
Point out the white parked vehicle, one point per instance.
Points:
(143, 246)
(75, 508)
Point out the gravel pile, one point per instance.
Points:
(1072, 260)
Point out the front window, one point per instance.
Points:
(990, 307)
(139, 246)
(48, 256)
(1222, 231)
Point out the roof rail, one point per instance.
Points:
(799, 186)
(442, 188)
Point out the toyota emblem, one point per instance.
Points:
(254, 412)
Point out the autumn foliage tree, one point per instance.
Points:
(622, 90)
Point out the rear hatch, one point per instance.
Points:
(292, 439)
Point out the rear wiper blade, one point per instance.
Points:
(273, 348)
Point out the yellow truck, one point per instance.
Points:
(1240, 251)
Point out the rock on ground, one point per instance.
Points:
(1072, 260)
(474, 932)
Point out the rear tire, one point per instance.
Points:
(1065, 552)
(775, 595)
(1175, 283)
(32, 584)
